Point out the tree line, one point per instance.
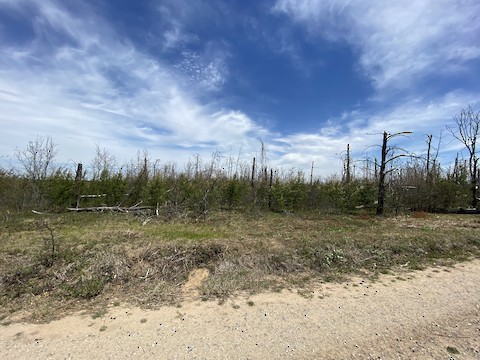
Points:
(395, 181)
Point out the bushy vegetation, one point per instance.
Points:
(174, 192)
(396, 181)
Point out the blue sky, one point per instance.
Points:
(185, 77)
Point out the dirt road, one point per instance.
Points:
(430, 314)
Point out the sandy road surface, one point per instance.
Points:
(431, 314)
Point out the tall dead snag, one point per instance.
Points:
(78, 183)
(383, 165)
(467, 131)
(346, 165)
(429, 144)
(381, 181)
(431, 173)
(252, 180)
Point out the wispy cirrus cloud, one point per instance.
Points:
(202, 63)
(396, 41)
(179, 18)
(76, 79)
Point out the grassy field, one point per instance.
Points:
(54, 264)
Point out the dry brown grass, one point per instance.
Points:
(105, 258)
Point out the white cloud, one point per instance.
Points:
(205, 68)
(397, 45)
(91, 87)
(177, 15)
(363, 131)
(396, 41)
(207, 71)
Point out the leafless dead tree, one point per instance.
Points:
(467, 131)
(37, 158)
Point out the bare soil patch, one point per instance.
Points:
(195, 280)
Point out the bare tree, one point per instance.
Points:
(103, 164)
(37, 158)
(467, 132)
(346, 166)
(426, 189)
(386, 150)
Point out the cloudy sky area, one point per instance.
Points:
(184, 77)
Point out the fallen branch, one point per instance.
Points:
(110, 208)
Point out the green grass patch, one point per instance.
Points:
(452, 350)
(99, 313)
